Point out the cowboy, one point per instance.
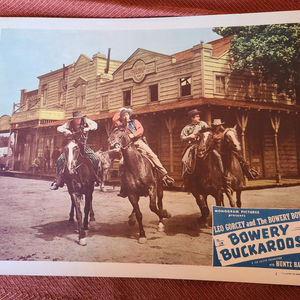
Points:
(189, 134)
(135, 131)
(78, 126)
(218, 133)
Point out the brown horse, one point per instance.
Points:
(80, 179)
(140, 179)
(231, 149)
(206, 177)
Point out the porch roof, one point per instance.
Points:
(192, 103)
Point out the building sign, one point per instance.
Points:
(139, 71)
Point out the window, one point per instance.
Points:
(80, 93)
(220, 84)
(104, 102)
(153, 89)
(44, 94)
(185, 86)
(127, 98)
(62, 87)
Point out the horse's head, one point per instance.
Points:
(231, 139)
(119, 138)
(72, 151)
(204, 141)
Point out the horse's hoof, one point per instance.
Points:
(82, 242)
(142, 240)
(161, 227)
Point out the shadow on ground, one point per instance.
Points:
(185, 224)
(50, 231)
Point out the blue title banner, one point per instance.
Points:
(266, 238)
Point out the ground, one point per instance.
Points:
(34, 225)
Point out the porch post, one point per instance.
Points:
(108, 126)
(242, 120)
(275, 122)
(170, 124)
(15, 149)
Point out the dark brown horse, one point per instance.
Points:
(140, 179)
(206, 177)
(80, 179)
(231, 149)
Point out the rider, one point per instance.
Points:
(135, 130)
(189, 135)
(78, 126)
(218, 133)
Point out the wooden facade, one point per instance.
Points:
(161, 89)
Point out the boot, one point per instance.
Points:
(57, 183)
(122, 192)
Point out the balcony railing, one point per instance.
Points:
(37, 114)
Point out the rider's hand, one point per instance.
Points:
(192, 136)
(131, 135)
(86, 129)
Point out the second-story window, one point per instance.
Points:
(62, 87)
(127, 98)
(80, 95)
(185, 86)
(220, 84)
(104, 102)
(44, 94)
(153, 90)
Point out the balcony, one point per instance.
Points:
(37, 114)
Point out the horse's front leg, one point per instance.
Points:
(202, 204)
(132, 218)
(229, 194)
(71, 214)
(160, 212)
(82, 235)
(88, 211)
(134, 200)
(238, 198)
(103, 179)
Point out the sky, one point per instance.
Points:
(30, 47)
(26, 54)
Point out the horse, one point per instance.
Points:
(140, 179)
(230, 148)
(206, 177)
(80, 179)
(105, 160)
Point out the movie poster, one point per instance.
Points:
(180, 100)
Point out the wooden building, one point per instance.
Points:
(161, 89)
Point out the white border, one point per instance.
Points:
(192, 272)
(152, 23)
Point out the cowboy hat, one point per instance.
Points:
(217, 122)
(77, 115)
(124, 110)
(193, 113)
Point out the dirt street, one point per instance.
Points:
(34, 225)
